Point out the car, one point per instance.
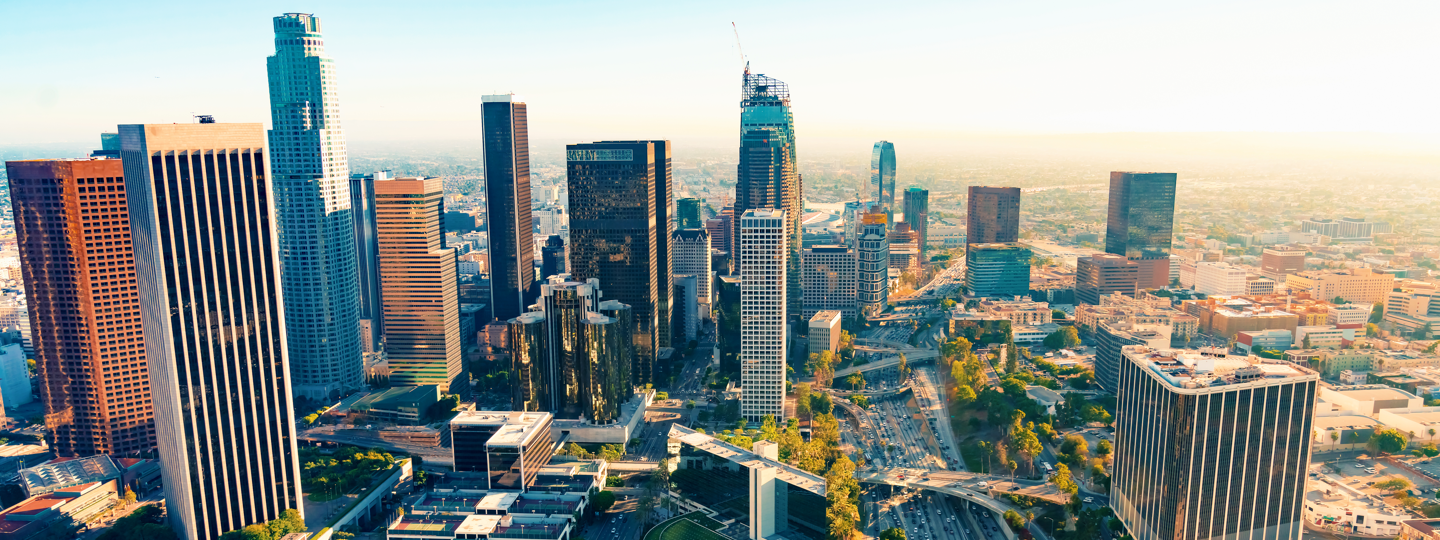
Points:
(1359, 466)
(1088, 500)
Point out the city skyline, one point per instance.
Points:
(376, 63)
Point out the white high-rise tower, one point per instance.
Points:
(311, 177)
(764, 252)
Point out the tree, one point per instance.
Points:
(604, 500)
(1014, 520)
(1387, 440)
(821, 404)
(1305, 343)
(1064, 480)
(130, 493)
(1103, 449)
(856, 380)
(903, 367)
(1071, 337)
(690, 404)
(802, 399)
(614, 481)
(893, 533)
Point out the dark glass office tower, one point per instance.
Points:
(917, 214)
(507, 199)
(207, 260)
(367, 255)
(882, 175)
(552, 257)
(1211, 447)
(992, 215)
(688, 214)
(768, 175)
(1141, 223)
(615, 224)
(665, 252)
(572, 356)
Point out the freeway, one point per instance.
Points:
(912, 356)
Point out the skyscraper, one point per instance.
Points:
(768, 174)
(829, 280)
(1210, 446)
(418, 285)
(917, 214)
(1103, 274)
(873, 276)
(992, 215)
(614, 235)
(687, 214)
(507, 200)
(572, 356)
(317, 235)
(882, 175)
(72, 227)
(215, 330)
(997, 270)
(665, 253)
(1141, 223)
(763, 344)
(692, 257)
(367, 256)
(552, 257)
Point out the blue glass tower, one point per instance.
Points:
(768, 175)
(882, 174)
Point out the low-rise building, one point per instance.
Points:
(1369, 399)
(1342, 430)
(1359, 285)
(1411, 309)
(1332, 505)
(1264, 340)
(1255, 285)
(1419, 529)
(1323, 337)
(1024, 333)
(1019, 310)
(509, 446)
(1416, 421)
(1219, 278)
(825, 332)
(1046, 397)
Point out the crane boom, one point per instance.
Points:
(737, 44)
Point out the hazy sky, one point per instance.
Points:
(414, 71)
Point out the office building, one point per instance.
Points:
(692, 257)
(917, 214)
(771, 499)
(1358, 285)
(872, 276)
(1411, 309)
(997, 270)
(72, 228)
(572, 356)
(1102, 274)
(1264, 340)
(226, 435)
(825, 332)
(1348, 315)
(1279, 262)
(1259, 286)
(829, 280)
(1141, 223)
(1209, 446)
(686, 316)
(904, 247)
(367, 258)
(552, 257)
(510, 446)
(854, 215)
(1216, 278)
(507, 201)
(764, 345)
(688, 215)
(719, 229)
(882, 176)
(615, 229)
(768, 174)
(992, 215)
(316, 227)
(1112, 336)
(418, 286)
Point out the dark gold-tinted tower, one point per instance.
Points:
(417, 283)
(572, 356)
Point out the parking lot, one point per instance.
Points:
(1362, 474)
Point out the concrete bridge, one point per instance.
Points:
(964, 485)
(912, 357)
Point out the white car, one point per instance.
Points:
(1088, 500)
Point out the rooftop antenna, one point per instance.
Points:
(742, 49)
(204, 118)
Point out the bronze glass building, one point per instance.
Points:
(1103, 274)
(992, 215)
(617, 222)
(72, 226)
(1141, 223)
(208, 267)
(507, 206)
(572, 357)
(418, 285)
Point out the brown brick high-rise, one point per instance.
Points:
(992, 215)
(73, 228)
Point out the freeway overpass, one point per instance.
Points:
(962, 485)
(912, 356)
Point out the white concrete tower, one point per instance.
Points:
(763, 344)
(311, 177)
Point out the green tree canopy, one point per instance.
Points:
(1387, 440)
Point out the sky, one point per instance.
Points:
(858, 71)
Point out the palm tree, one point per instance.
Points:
(1013, 467)
(1335, 438)
(985, 449)
(1431, 431)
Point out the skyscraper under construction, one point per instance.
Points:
(767, 175)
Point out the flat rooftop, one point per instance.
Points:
(746, 458)
(1345, 421)
(511, 427)
(1371, 392)
(1192, 368)
(1421, 415)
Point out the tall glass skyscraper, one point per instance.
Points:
(992, 215)
(571, 357)
(507, 201)
(417, 282)
(917, 215)
(882, 175)
(317, 236)
(214, 326)
(768, 174)
(1141, 223)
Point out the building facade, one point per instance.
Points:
(72, 228)
(992, 215)
(1141, 223)
(825, 332)
(1103, 274)
(882, 176)
(367, 258)
(1211, 446)
(572, 357)
(768, 175)
(872, 276)
(615, 229)
(1220, 279)
(507, 203)
(917, 214)
(219, 371)
(687, 214)
(829, 280)
(1280, 261)
(997, 270)
(418, 285)
(552, 257)
(1411, 310)
(1360, 285)
(764, 345)
(692, 257)
(317, 232)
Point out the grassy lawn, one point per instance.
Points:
(974, 457)
(682, 529)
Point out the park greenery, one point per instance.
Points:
(145, 523)
(327, 476)
(1387, 441)
(288, 522)
(893, 533)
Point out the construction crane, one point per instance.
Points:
(740, 48)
